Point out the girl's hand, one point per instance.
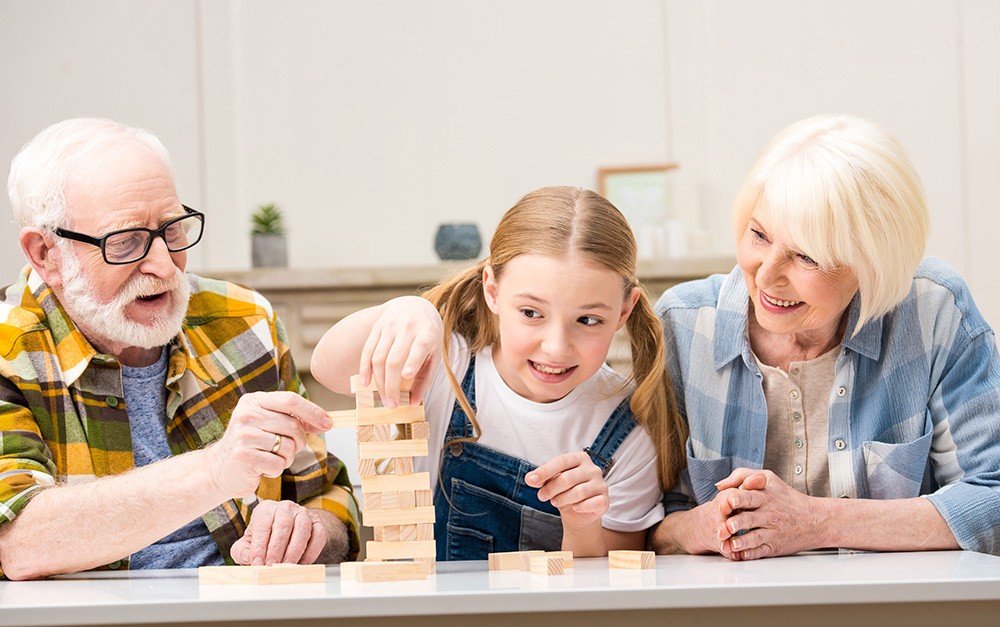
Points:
(404, 343)
(573, 484)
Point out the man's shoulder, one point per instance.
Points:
(215, 298)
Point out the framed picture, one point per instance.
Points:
(641, 193)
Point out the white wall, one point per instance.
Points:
(373, 121)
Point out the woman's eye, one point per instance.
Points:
(807, 260)
(758, 235)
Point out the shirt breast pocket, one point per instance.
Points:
(896, 470)
(705, 473)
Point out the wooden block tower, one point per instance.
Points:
(396, 502)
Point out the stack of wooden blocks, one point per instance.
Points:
(398, 503)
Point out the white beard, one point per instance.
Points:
(107, 322)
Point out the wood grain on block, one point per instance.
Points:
(407, 533)
(424, 497)
(390, 500)
(364, 399)
(367, 468)
(419, 481)
(394, 448)
(390, 533)
(262, 575)
(425, 531)
(387, 416)
(372, 502)
(407, 498)
(368, 572)
(356, 386)
(511, 560)
(343, 419)
(546, 565)
(638, 560)
(385, 517)
(382, 551)
(365, 433)
(567, 557)
(403, 465)
(420, 430)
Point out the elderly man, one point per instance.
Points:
(149, 418)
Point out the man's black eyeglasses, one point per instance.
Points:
(132, 245)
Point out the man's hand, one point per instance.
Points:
(281, 532)
(265, 432)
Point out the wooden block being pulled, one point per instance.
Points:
(636, 560)
(365, 572)
(394, 416)
(510, 560)
(546, 564)
(262, 575)
(356, 386)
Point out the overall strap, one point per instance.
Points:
(612, 434)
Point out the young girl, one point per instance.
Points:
(534, 442)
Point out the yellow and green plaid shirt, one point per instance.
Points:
(63, 418)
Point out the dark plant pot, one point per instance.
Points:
(458, 240)
(269, 251)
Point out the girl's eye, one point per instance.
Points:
(530, 313)
(590, 321)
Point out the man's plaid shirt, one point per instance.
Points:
(62, 409)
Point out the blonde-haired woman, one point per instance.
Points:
(840, 390)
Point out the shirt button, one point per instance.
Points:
(794, 394)
(798, 443)
(797, 415)
(115, 565)
(841, 391)
(798, 469)
(840, 444)
(111, 401)
(795, 371)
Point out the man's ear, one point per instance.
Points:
(490, 288)
(40, 249)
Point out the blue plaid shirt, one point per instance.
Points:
(914, 408)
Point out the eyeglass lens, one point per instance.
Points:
(132, 245)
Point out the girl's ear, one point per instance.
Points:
(490, 288)
(628, 306)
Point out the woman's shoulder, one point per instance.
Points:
(711, 291)
(941, 289)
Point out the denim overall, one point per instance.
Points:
(492, 509)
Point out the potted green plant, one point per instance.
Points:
(268, 244)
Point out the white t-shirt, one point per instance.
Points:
(538, 432)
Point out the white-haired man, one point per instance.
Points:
(146, 412)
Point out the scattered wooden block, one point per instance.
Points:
(511, 560)
(567, 557)
(262, 575)
(365, 572)
(636, 560)
(546, 565)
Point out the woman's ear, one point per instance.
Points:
(630, 300)
(490, 288)
(40, 249)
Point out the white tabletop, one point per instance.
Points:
(468, 588)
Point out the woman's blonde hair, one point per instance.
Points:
(844, 192)
(556, 221)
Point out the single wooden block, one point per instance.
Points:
(423, 498)
(390, 533)
(546, 565)
(567, 557)
(364, 398)
(383, 551)
(387, 416)
(406, 498)
(367, 468)
(425, 531)
(407, 533)
(356, 386)
(394, 448)
(418, 481)
(636, 560)
(262, 575)
(404, 465)
(367, 572)
(420, 430)
(510, 560)
(390, 500)
(371, 502)
(386, 517)
(344, 419)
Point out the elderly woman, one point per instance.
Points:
(840, 391)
